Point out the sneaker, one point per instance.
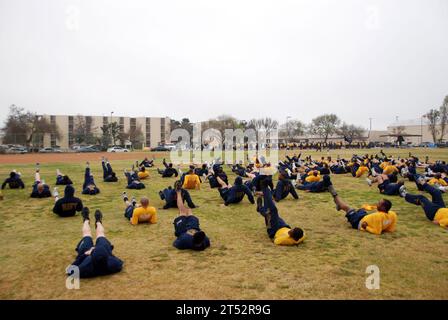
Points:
(125, 196)
(402, 191)
(98, 216)
(369, 182)
(85, 214)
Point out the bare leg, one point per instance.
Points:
(341, 204)
(99, 230)
(183, 211)
(37, 177)
(222, 183)
(58, 172)
(86, 232)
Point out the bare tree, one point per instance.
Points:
(433, 117)
(27, 128)
(82, 131)
(350, 132)
(443, 118)
(325, 125)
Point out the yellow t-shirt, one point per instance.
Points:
(313, 178)
(440, 182)
(143, 175)
(139, 212)
(442, 217)
(282, 238)
(379, 221)
(389, 169)
(191, 181)
(361, 170)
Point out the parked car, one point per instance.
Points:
(17, 150)
(160, 148)
(170, 146)
(50, 150)
(426, 145)
(88, 149)
(117, 149)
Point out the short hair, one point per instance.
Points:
(387, 205)
(296, 234)
(199, 241)
(144, 201)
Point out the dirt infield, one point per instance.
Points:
(75, 157)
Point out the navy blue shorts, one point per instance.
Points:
(86, 244)
(224, 192)
(383, 185)
(355, 216)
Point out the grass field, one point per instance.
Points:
(36, 246)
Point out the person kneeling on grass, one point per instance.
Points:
(95, 260)
(277, 229)
(68, 205)
(62, 179)
(435, 210)
(40, 188)
(234, 194)
(378, 222)
(186, 228)
(139, 213)
(89, 186)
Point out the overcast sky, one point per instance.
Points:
(200, 59)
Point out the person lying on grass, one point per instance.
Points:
(277, 229)
(68, 205)
(435, 209)
(186, 227)
(139, 213)
(40, 188)
(95, 260)
(383, 220)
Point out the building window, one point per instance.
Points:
(70, 131)
(133, 123)
(148, 132)
(121, 124)
(88, 124)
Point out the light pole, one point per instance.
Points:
(287, 128)
(421, 128)
(110, 127)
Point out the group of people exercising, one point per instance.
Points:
(255, 180)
